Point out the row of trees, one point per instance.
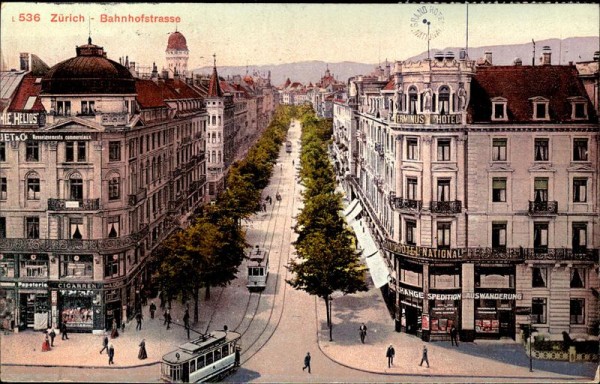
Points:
(209, 252)
(327, 258)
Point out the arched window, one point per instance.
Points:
(413, 99)
(444, 100)
(33, 186)
(114, 187)
(75, 187)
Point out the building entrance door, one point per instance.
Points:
(507, 324)
(412, 320)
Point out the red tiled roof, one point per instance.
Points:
(390, 86)
(182, 89)
(214, 87)
(28, 88)
(518, 84)
(177, 42)
(149, 94)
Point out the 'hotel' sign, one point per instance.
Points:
(428, 119)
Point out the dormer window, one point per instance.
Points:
(540, 108)
(578, 108)
(499, 109)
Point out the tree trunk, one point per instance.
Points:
(196, 303)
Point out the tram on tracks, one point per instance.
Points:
(258, 268)
(211, 357)
(288, 146)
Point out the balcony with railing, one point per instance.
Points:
(176, 203)
(398, 203)
(73, 205)
(446, 207)
(176, 172)
(543, 207)
(135, 198)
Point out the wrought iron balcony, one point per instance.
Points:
(137, 197)
(402, 203)
(73, 205)
(543, 207)
(176, 173)
(446, 206)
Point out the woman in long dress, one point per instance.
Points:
(114, 333)
(46, 344)
(142, 354)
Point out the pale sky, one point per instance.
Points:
(262, 34)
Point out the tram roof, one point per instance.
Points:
(258, 254)
(192, 348)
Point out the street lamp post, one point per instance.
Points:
(530, 356)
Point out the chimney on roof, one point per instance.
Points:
(154, 74)
(25, 61)
(165, 74)
(488, 57)
(546, 55)
(518, 62)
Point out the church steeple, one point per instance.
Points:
(214, 87)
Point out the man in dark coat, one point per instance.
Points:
(363, 332)
(104, 343)
(152, 310)
(390, 353)
(52, 336)
(111, 354)
(307, 362)
(424, 358)
(186, 322)
(138, 318)
(63, 331)
(453, 336)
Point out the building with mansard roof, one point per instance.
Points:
(97, 167)
(479, 185)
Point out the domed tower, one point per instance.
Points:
(177, 55)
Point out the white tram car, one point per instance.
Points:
(210, 357)
(258, 268)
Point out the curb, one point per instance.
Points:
(79, 366)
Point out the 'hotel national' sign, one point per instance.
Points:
(430, 253)
(428, 119)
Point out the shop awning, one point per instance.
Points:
(377, 267)
(354, 212)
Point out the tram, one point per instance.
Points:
(258, 268)
(212, 356)
(288, 146)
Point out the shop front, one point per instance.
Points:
(444, 299)
(8, 306)
(79, 305)
(34, 305)
(411, 307)
(114, 309)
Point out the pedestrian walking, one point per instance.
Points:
(363, 332)
(63, 331)
(46, 344)
(293, 162)
(307, 362)
(104, 343)
(453, 336)
(424, 358)
(152, 310)
(186, 322)
(111, 354)
(52, 334)
(390, 353)
(278, 197)
(115, 332)
(168, 318)
(142, 353)
(138, 318)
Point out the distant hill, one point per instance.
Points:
(572, 49)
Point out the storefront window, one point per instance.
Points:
(34, 266)
(7, 308)
(7, 266)
(443, 315)
(77, 308)
(76, 266)
(486, 316)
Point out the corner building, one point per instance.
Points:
(479, 186)
(96, 169)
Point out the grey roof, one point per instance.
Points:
(9, 81)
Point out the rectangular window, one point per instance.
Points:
(33, 266)
(540, 110)
(2, 151)
(499, 150)
(412, 149)
(579, 190)
(443, 190)
(114, 188)
(539, 277)
(577, 278)
(32, 151)
(70, 151)
(81, 156)
(76, 266)
(114, 226)
(498, 235)
(443, 150)
(88, 107)
(33, 188)
(32, 227)
(411, 188)
(539, 310)
(63, 108)
(114, 265)
(443, 235)
(3, 188)
(580, 150)
(579, 237)
(541, 149)
(2, 227)
(540, 189)
(580, 111)
(540, 237)
(499, 110)
(411, 229)
(7, 266)
(76, 228)
(499, 190)
(577, 311)
(114, 151)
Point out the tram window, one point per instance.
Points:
(200, 362)
(192, 366)
(261, 272)
(209, 358)
(226, 350)
(218, 355)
